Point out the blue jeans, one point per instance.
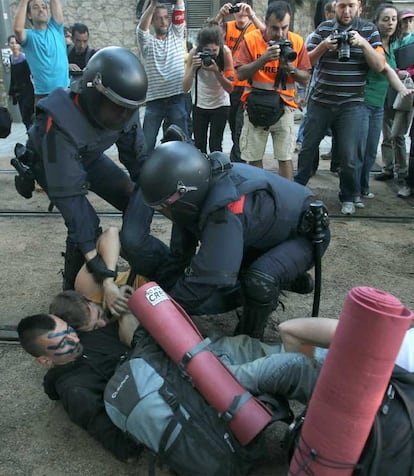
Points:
(348, 124)
(172, 109)
(299, 138)
(374, 117)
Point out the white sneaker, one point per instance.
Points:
(359, 203)
(348, 208)
(368, 195)
(404, 191)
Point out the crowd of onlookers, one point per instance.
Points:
(200, 88)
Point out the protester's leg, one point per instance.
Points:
(218, 120)
(252, 142)
(292, 376)
(145, 253)
(189, 110)
(407, 187)
(349, 127)
(316, 125)
(236, 350)
(400, 127)
(26, 107)
(236, 122)
(410, 176)
(154, 115)
(176, 112)
(200, 128)
(335, 165)
(374, 132)
(283, 136)
(387, 148)
(299, 137)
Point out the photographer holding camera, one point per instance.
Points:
(245, 21)
(272, 60)
(345, 48)
(210, 68)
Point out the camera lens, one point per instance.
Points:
(344, 52)
(207, 61)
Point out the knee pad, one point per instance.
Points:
(259, 288)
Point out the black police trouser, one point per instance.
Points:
(109, 182)
(145, 253)
(268, 274)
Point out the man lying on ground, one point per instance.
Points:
(81, 363)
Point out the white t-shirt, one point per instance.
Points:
(210, 93)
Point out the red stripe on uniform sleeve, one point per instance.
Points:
(237, 207)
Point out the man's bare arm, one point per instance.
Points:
(20, 20)
(307, 331)
(374, 59)
(56, 11)
(146, 18)
(127, 323)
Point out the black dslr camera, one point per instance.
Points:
(344, 46)
(234, 8)
(286, 50)
(207, 56)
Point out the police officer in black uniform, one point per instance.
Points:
(71, 132)
(232, 223)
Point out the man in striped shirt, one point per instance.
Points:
(337, 99)
(163, 55)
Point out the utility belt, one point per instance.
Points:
(314, 221)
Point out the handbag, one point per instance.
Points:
(264, 108)
(404, 103)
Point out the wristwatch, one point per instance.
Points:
(292, 71)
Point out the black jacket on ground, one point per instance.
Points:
(80, 386)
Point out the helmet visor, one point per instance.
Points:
(169, 201)
(111, 94)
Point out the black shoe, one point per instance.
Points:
(303, 284)
(383, 176)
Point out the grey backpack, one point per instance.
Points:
(155, 403)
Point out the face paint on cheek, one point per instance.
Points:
(61, 345)
(76, 349)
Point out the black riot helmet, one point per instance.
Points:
(114, 85)
(175, 180)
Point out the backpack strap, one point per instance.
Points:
(179, 419)
(241, 36)
(237, 402)
(200, 347)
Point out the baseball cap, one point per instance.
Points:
(406, 13)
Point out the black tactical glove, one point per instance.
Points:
(97, 267)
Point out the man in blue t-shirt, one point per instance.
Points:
(44, 44)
